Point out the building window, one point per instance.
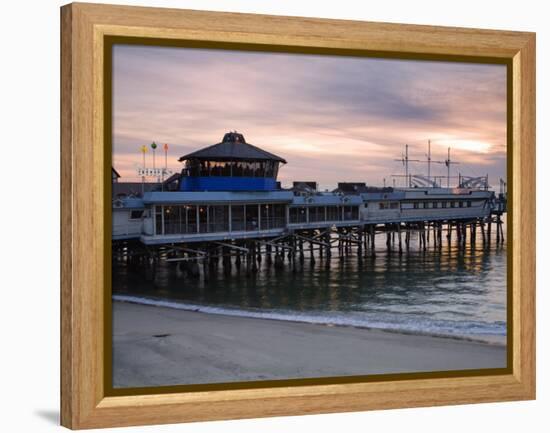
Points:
(236, 169)
(269, 168)
(415, 205)
(252, 217)
(316, 214)
(434, 205)
(265, 216)
(218, 219)
(298, 215)
(443, 204)
(203, 219)
(204, 168)
(191, 225)
(219, 168)
(136, 214)
(351, 213)
(237, 218)
(193, 167)
(158, 220)
(388, 205)
(172, 223)
(333, 213)
(279, 215)
(177, 219)
(460, 204)
(260, 169)
(425, 205)
(272, 216)
(469, 203)
(248, 169)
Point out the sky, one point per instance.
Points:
(333, 118)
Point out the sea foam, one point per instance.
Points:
(492, 333)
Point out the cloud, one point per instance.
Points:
(332, 118)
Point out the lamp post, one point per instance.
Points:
(153, 146)
(143, 152)
(165, 170)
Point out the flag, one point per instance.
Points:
(153, 145)
(144, 148)
(166, 147)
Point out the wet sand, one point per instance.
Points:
(155, 346)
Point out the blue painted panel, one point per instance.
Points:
(207, 197)
(225, 183)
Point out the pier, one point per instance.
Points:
(228, 210)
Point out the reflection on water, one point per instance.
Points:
(451, 292)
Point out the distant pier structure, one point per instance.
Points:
(226, 208)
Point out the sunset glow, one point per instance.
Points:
(332, 118)
(472, 146)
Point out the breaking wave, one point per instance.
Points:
(486, 332)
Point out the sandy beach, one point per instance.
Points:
(155, 346)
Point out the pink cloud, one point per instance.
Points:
(333, 118)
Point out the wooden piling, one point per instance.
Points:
(399, 238)
(238, 261)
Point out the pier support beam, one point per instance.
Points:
(311, 254)
(399, 238)
(238, 261)
(268, 259)
(373, 239)
(226, 260)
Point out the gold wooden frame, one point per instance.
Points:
(84, 400)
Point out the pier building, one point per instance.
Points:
(231, 165)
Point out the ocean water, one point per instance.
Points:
(450, 292)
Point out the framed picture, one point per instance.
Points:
(268, 216)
